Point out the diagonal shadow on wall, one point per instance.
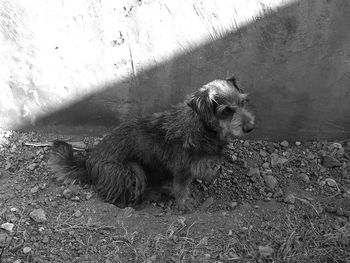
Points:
(288, 61)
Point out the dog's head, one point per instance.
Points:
(220, 105)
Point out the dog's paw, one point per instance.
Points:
(185, 205)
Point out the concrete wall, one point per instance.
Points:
(84, 65)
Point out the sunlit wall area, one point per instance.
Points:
(88, 62)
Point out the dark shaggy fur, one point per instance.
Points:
(169, 146)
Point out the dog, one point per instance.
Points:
(171, 146)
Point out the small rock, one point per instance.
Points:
(311, 156)
(26, 250)
(34, 190)
(78, 213)
(289, 170)
(289, 199)
(88, 196)
(263, 153)
(233, 256)
(336, 149)
(151, 259)
(270, 181)
(270, 148)
(297, 143)
(329, 162)
(17, 261)
(33, 166)
(246, 144)
(14, 209)
(266, 165)
(276, 160)
(45, 239)
(233, 205)
(331, 182)
(304, 177)
(42, 186)
(230, 233)
(38, 215)
(253, 172)
(278, 193)
(7, 226)
(340, 211)
(4, 239)
(284, 144)
(265, 251)
(234, 157)
(207, 256)
(10, 217)
(67, 193)
(8, 165)
(207, 203)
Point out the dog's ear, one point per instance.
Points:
(233, 81)
(203, 103)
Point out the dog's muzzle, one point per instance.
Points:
(248, 126)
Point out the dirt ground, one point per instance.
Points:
(269, 202)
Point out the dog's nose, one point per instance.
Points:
(248, 126)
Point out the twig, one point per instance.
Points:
(49, 144)
(308, 203)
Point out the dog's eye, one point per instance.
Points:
(226, 112)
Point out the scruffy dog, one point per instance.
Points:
(169, 146)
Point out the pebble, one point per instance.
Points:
(284, 144)
(233, 205)
(10, 217)
(304, 177)
(78, 213)
(270, 148)
(45, 239)
(266, 251)
(7, 226)
(331, 182)
(278, 193)
(263, 153)
(38, 215)
(34, 190)
(17, 261)
(297, 143)
(151, 259)
(289, 199)
(266, 165)
(336, 149)
(88, 196)
(329, 162)
(14, 209)
(246, 144)
(33, 166)
(276, 160)
(4, 238)
(207, 203)
(253, 172)
(270, 181)
(340, 211)
(26, 250)
(67, 193)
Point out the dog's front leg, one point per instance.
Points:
(181, 183)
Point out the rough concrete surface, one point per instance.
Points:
(92, 63)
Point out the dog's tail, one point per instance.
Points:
(67, 168)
